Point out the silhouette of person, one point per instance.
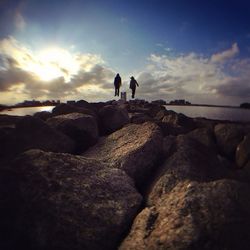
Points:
(117, 83)
(132, 86)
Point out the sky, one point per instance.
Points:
(72, 49)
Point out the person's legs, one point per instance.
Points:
(133, 93)
(118, 89)
(115, 91)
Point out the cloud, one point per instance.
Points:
(225, 55)
(197, 78)
(221, 78)
(18, 75)
(19, 21)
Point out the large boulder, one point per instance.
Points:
(191, 161)
(213, 215)
(176, 119)
(135, 149)
(228, 136)
(112, 118)
(204, 136)
(173, 123)
(33, 133)
(243, 152)
(83, 129)
(43, 115)
(63, 109)
(70, 202)
(139, 118)
(9, 120)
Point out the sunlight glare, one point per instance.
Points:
(53, 63)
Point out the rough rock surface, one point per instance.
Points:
(83, 129)
(33, 133)
(70, 202)
(213, 215)
(43, 115)
(139, 118)
(63, 109)
(191, 161)
(228, 136)
(176, 119)
(243, 152)
(9, 120)
(204, 136)
(134, 149)
(112, 118)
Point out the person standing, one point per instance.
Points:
(117, 83)
(132, 86)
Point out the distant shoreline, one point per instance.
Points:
(205, 105)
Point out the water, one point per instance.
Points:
(27, 110)
(218, 113)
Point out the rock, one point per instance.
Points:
(204, 136)
(228, 136)
(112, 118)
(154, 110)
(33, 133)
(9, 203)
(191, 161)
(243, 152)
(9, 120)
(172, 123)
(213, 215)
(205, 123)
(70, 202)
(169, 145)
(5, 133)
(139, 118)
(83, 129)
(63, 109)
(176, 119)
(43, 115)
(134, 149)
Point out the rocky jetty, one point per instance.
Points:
(124, 176)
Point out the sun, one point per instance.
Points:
(52, 63)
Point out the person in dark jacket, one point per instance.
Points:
(132, 86)
(117, 83)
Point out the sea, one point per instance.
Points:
(218, 113)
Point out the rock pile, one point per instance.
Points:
(123, 176)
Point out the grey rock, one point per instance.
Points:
(82, 128)
(112, 118)
(213, 215)
(33, 133)
(134, 149)
(191, 161)
(63, 109)
(204, 136)
(70, 202)
(243, 152)
(228, 136)
(43, 115)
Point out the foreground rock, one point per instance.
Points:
(213, 215)
(228, 136)
(190, 160)
(112, 118)
(64, 109)
(83, 129)
(70, 202)
(43, 115)
(33, 133)
(243, 152)
(134, 149)
(173, 123)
